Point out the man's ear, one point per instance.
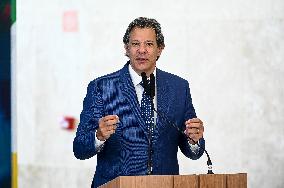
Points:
(126, 47)
(160, 49)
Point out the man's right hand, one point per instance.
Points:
(107, 126)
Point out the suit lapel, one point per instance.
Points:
(129, 93)
(162, 100)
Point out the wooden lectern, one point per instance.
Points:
(180, 181)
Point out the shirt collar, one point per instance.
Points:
(136, 78)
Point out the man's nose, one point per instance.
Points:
(142, 48)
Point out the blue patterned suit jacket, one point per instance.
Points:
(125, 153)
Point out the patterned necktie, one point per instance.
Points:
(147, 112)
(148, 116)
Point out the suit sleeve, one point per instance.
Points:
(84, 141)
(188, 114)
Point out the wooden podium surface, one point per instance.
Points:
(180, 181)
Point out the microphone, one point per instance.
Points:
(145, 83)
(149, 87)
(150, 90)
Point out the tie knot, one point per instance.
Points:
(141, 83)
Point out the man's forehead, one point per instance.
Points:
(137, 31)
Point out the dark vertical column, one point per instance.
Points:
(5, 95)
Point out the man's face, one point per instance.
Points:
(143, 50)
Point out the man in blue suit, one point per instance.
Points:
(112, 125)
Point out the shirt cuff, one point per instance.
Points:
(194, 147)
(98, 143)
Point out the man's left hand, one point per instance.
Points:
(194, 129)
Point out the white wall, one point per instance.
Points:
(232, 52)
